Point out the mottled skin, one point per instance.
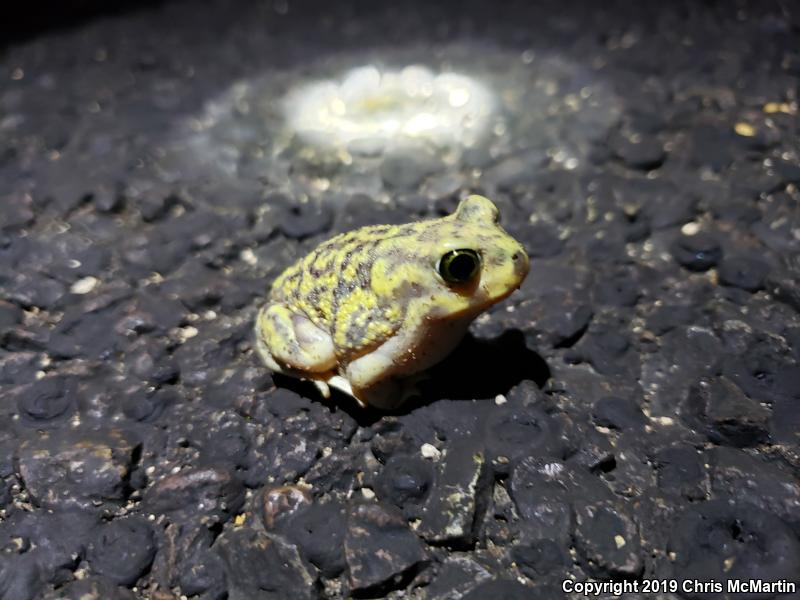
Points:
(369, 308)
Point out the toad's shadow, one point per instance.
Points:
(476, 370)
(481, 369)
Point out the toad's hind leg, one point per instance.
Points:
(288, 342)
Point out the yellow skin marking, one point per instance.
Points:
(371, 307)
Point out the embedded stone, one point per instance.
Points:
(380, 549)
(450, 514)
(80, 467)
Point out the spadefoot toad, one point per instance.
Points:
(369, 308)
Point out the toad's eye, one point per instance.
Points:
(459, 266)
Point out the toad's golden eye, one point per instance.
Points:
(459, 266)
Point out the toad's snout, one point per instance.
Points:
(521, 264)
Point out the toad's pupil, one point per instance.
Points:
(459, 266)
(462, 266)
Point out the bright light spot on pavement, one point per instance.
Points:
(389, 107)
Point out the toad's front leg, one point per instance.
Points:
(378, 379)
